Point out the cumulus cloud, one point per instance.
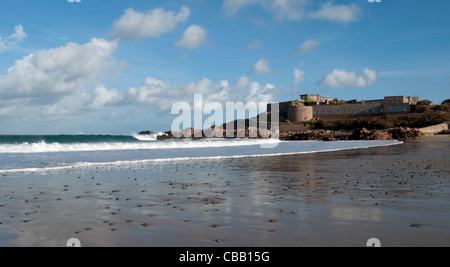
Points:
(295, 10)
(193, 37)
(337, 13)
(308, 46)
(102, 97)
(161, 95)
(135, 25)
(299, 76)
(342, 78)
(261, 67)
(57, 71)
(18, 36)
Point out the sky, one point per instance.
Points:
(118, 67)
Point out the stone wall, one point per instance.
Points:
(300, 113)
(353, 110)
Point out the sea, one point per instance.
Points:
(40, 153)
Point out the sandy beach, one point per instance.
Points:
(398, 194)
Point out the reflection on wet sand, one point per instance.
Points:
(400, 194)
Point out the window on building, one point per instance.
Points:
(353, 111)
(317, 112)
(344, 111)
(367, 111)
(381, 110)
(373, 110)
(338, 111)
(323, 112)
(390, 110)
(331, 111)
(359, 111)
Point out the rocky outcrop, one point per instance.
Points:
(359, 134)
(324, 135)
(435, 129)
(405, 133)
(251, 132)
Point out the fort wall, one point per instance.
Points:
(390, 105)
(300, 113)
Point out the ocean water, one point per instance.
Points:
(47, 152)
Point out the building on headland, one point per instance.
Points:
(310, 107)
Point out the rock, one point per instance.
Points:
(364, 134)
(146, 133)
(405, 133)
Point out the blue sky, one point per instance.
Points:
(118, 66)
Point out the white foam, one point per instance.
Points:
(43, 147)
(119, 163)
(150, 137)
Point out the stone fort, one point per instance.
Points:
(310, 107)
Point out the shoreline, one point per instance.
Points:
(181, 159)
(399, 194)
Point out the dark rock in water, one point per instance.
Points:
(146, 133)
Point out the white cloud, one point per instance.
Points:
(193, 37)
(58, 71)
(3, 46)
(136, 25)
(261, 67)
(299, 76)
(18, 36)
(255, 45)
(289, 9)
(308, 46)
(103, 97)
(160, 95)
(231, 7)
(338, 13)
(342, 78)
(282, 9)
(295, 10)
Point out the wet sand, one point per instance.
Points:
(398, 194)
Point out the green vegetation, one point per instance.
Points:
(337, 102)
(308, 101)
(424, 103)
